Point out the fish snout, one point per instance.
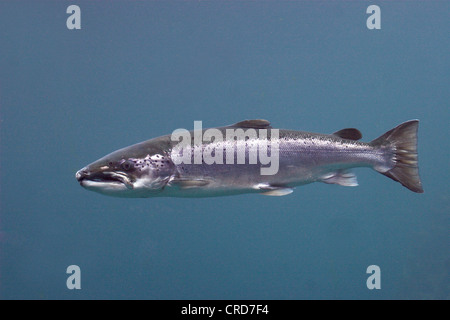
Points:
(81, 174)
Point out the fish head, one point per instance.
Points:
(129, 172)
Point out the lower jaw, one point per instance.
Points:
(106, 186)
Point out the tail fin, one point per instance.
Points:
(403, 139)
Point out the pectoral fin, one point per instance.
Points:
(186, 183)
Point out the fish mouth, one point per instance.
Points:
(103, 179)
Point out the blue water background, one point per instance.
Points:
(138, 70)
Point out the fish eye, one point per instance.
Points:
(127, 165)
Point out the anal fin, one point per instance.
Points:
(342, 178)
(278, 192)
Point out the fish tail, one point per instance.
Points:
(403, 141)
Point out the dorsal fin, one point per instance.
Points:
(349, 133)
(257, 124)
